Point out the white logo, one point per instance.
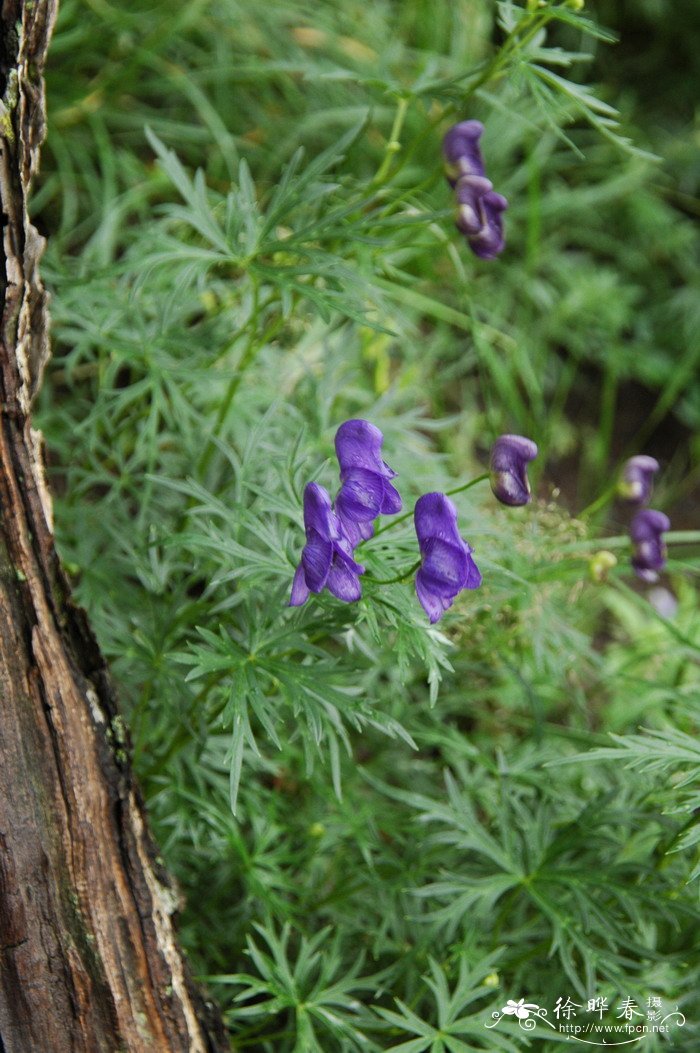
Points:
(606, 1025)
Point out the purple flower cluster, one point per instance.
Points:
(332, 534)
(648, 526)
(333, 531)
(479, 207)
(326, 560)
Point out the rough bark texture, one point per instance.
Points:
(88, 955)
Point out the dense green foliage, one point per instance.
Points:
(384, 830)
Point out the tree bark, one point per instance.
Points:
(89, 960)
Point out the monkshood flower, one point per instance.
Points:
(646, 530)
(479, 207)
(326, 560)
(447, 565)
(637, 479)
(366, 490)
(510, 456)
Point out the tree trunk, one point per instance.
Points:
(89, 961)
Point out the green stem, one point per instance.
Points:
(676, 633)
(449, 493)
(393, 145)
(536, 22)
(493, 69)
(245, 361)
(600, 502)
(249, 355)
(404, 576)
(534, 211)
(673, 537)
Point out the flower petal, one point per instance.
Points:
(643, 572)
(445, 567)
(343, 583)
(461, 151)
(391, 500)
(342, 552)
(436, 516)
(358, 444)
(360, 496)
(489, 241)
(648, 525)
(473, 575)
(300, 590)
(646, 531)
(470, 193)
(318, 512)
(316, 561)
(356, 532)
(432, 603)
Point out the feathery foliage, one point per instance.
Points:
(384, 830)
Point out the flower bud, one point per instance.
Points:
(601, 564)
(637, 479)
(510, 456)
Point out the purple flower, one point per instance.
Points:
(478, 216)
(646, 531)
(326, 561)
(479, 207)
(366, 490)
(510, 456)
(637, 480)
(447, 566)
(460, 148)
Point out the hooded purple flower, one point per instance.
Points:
(646, 531)
(461, 151)
(510, 456)
(366, 490)
(447, 566)
(326, 560)
(479, 207)
(637, 480)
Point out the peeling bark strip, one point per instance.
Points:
(89, 962)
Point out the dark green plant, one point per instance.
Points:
(384, 830)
